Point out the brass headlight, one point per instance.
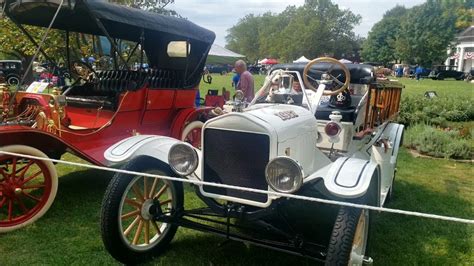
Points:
(284, 174)
(183, 159)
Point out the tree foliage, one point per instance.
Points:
(158, 6)
(425, 34)
(380, 44)
(15, 44)
(319, 27)
(419, 35)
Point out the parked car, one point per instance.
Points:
(441, 72)
(256, 69)
(100, 107)
(219, 69)
(12, 70)
(303, 134)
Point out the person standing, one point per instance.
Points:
(418, 72)
(246, 82)
(235, 80)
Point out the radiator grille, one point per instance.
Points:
(236, 158)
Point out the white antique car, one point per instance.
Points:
(303, 134)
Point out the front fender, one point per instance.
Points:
(154, 146)
(349, 178)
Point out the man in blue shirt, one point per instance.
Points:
(235, 80)
(418, 72)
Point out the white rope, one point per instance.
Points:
(273, 193)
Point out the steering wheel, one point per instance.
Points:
(340, 87)
(82, 70)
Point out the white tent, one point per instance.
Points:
(345, 61)
(221, 55)
(302, 59)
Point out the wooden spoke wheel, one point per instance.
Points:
(130, 231)
(27, 187)
(192, 134)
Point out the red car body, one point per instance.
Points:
(100, 107)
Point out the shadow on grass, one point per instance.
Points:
(401, 240)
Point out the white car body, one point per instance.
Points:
(347, 174)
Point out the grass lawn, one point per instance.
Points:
(444, 88)
(69, 232)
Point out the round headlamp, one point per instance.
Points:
(284, 174)
(183, 159)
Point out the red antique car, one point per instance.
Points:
(100, 107)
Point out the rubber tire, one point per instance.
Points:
(189, 127)
(110, 229)
(27, 150)
(342, 236)
(10, 78)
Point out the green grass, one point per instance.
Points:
(442, 87)
(412, 87)
(225, 81)
(69, 233)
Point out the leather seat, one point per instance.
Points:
(91, 102)
(348, 114)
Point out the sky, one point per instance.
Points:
(220, 15)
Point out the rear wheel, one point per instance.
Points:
(192, 134)
(129, 231)
(348, 242)
(27, 187)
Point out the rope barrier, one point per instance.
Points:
(273, 193)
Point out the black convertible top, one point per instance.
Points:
(360, 73)
(127, 22)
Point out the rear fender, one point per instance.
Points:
(394, 132)
(185, 117)
(150, 145)
(50, 144)
(351, 178)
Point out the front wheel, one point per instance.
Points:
(129, 231)
(348, 242)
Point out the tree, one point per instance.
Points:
(380, 44)
(15, 44)
(418, 35)
(245, 36)
(158, 6)
(426, 33)
(319, 27)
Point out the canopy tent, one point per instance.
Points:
(268, 61)
(345, 61)
(302, 59)
(221, 55)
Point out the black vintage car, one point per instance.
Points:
(441, 72)
(219, 69)
(12, 70)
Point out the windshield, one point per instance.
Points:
(283, 87)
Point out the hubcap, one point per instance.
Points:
(359, 243)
